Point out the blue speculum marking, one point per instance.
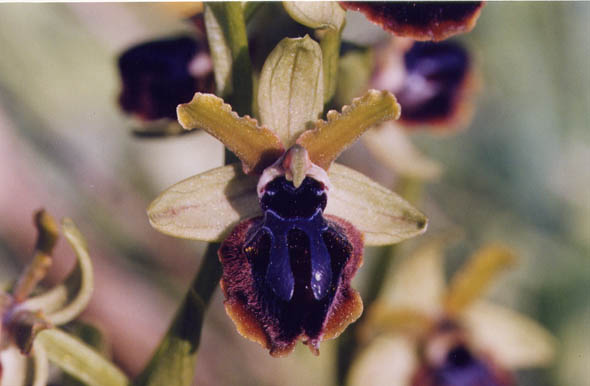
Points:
(287, 210)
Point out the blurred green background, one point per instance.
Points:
(519, 174)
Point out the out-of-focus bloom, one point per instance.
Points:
(435, 85)
(28, 319)
(429, 20)
(158, 75)
(432, 335)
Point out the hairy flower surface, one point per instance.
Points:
(301, 219)
(430, 335)
(428, 20)
(27, 322)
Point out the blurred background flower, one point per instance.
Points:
(519, 174)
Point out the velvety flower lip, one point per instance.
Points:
(436, 20)
(301, 218)
(158, 75)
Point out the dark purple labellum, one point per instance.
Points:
(156, 77)
(435, 76)
(288, 273)
(455, 364)
(288, 209)
(428, 20)
(461, 368)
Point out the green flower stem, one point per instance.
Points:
(348, 346)
(330, 44)
(173, 363)
(230, 16)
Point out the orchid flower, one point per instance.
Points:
(29, 321)
(432, 335)
(429, 20)
(291, 221)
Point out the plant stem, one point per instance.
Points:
(173, 363)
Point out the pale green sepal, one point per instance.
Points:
(291, 88)
(65, 301)
(381, 215)
(394, 149)
(329, 139)
(257, 147)
(41, 365)
(206, 206)
(316, 14)
(79, 360)
(388, 360)
(220, 51)
(14, 367)
(328, 18)
(512, 339)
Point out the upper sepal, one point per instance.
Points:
(291, 88)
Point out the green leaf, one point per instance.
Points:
(329, 139)
(79, 360)
(291, 88)
(65, 301)
(316, 14)
(257, 147)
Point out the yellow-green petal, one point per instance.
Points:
(417, 281)
(206, 206)
(380, 214)
(47, 234)
(329, 139)
(468, 284)
(257, 147)
(291, 88)
(67, 300)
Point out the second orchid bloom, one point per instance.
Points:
(293, 223)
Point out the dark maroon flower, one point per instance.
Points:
(292, 237)
(287, 274)
(158, 75)
(436, 20)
